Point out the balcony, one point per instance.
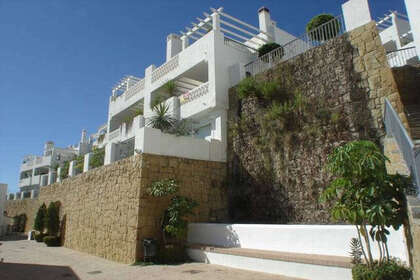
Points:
(36, 162)
(132, 94)
(196, 101)
(25, 182)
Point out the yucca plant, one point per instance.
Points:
(161, 119)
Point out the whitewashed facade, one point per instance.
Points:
(204, 62)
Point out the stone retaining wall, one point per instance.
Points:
(348, 77)
(107, 211)
(26, 206)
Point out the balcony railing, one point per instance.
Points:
(194, 93)
(305, 42)
(237, 45)
(401, 57)
(410, 152)
(114, 134)
(164, 69)
(139, 86)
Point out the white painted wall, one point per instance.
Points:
(356, 13)
(413, 12)
(3, 195)
(153, 141)
(308, 239)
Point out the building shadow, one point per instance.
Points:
(22, 271)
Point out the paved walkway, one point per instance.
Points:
(32, 260)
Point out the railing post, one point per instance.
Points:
(50, 176)
(86, 162)
(59, 174)
(72, 168)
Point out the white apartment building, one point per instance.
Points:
(204, 62)
(38, 171)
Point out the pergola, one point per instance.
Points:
(234, 29)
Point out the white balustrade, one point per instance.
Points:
(139, 86)
(114, 134)
(194, 93)
(164, 69)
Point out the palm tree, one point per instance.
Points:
(161, 119)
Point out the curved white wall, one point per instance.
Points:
(308, 239)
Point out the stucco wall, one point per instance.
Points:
(107, 211)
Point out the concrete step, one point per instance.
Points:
(298, 265)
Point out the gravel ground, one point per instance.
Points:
(31, 260)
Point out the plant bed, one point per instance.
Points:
(172, 254)
(39, 237)
(390, 270)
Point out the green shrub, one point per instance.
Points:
(326, 33)
(170, 87)
(39, 237)
(391, 270)
(39, 223)
(269, 90)
(52, 220)
(97, 158)
(80, 161)
(65, 170)
(266, 48)
(247, 87)
(52, 241)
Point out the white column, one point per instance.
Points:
(22, 194)
(216, 21)
(413, 12)
(173, 46)
(185, 42)
(123, 129)
(86, 162)
(59, 174)
(17, 195)
(148, 85)
(110, 153)
(356, 13)
(51, 176)
(395, 26)
(72, 168)
(32, 194)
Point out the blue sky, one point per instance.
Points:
(59, 59)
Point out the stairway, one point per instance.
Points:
(295, 265)
(413, 117)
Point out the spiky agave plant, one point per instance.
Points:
(161, 118)
(355, 251)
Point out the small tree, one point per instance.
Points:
(52, 221)
(365, 194)
(39, 223)
(326, 33)
(173, 221)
